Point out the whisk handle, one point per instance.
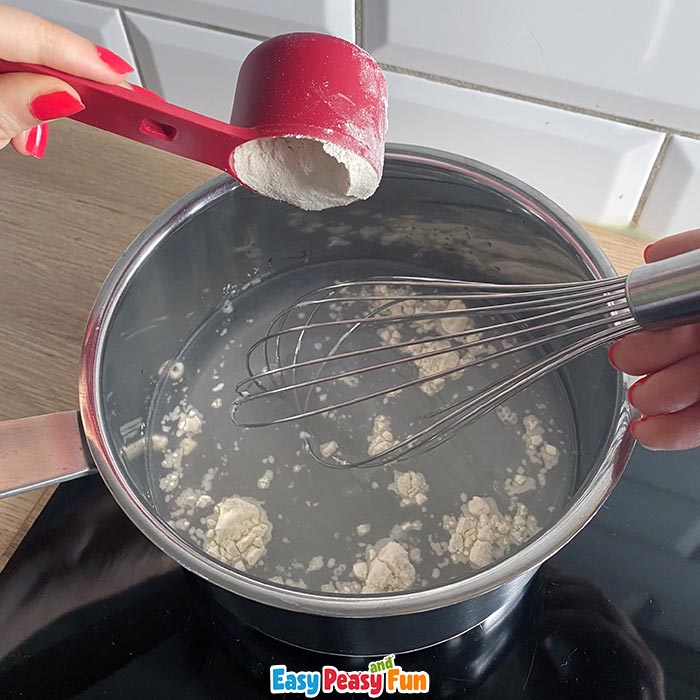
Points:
(666, 293)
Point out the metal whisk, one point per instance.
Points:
(361, 343)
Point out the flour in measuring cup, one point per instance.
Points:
(308, 173)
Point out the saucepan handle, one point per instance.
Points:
(41, 451)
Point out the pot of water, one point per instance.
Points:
(289, 547)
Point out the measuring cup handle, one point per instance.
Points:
(41, 451)
(146, 119)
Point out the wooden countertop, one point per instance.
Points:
(63, 223)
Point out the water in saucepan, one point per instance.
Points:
(256, 500)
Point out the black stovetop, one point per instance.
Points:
(90, 609)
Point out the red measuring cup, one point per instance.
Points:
(302, 85)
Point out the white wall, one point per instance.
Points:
(596, 104)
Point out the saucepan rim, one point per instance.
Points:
(600, 482)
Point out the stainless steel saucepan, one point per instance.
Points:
(221, 236)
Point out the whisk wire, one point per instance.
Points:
(459, 418)
(330, 356)
(582, 315)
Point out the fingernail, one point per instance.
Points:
(611, 351)
(116, 63)
(646, 250)
(150, 93)
(634, 386)
(36, 140)
(635, 424)
(54, 105)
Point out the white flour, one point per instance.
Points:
(309, 174)
(482, 534)
(388, 569)
(238, 532)
(359, 532)
(411, 487)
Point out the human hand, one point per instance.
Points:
(27, 101)
(669, 395)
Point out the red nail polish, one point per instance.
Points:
(611, 350)
(636, 423)
(150, 93)
(638, 383)
(646, 250)
(54, 105)
(36, 140)
(116, 63)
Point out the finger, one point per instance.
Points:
(26, 38)
(674, 431)
(32, 142)
(645, 352)
(143, 91)
(668, 391)
(27, 100)
(673, 245)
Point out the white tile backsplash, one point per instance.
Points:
(673, 205)
(264, 17)
(628, 57)
(190, 66)
(594, 168)
(102, 25)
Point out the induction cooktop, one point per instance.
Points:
(90, 609)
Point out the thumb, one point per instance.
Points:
(27, 100)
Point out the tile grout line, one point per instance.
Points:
(476, 87)
(175, 20)
(132, 47)
(443, 80)
(653, 173)
(359, 9)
